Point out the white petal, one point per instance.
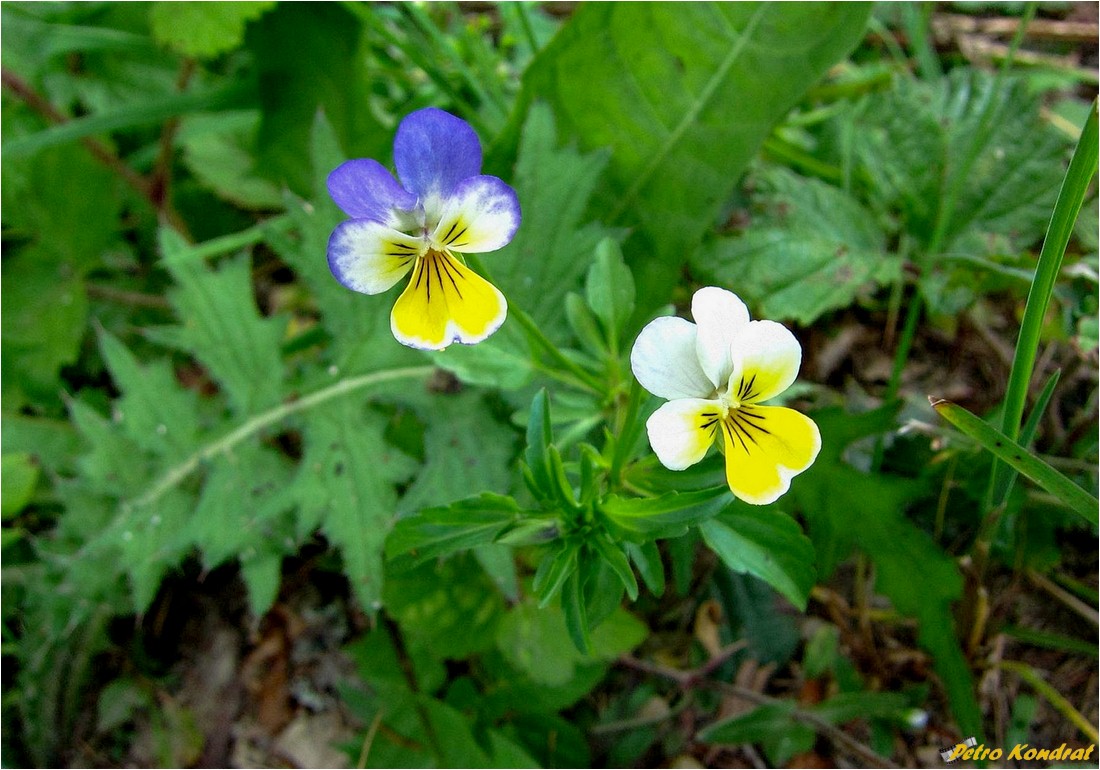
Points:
(481, 214)
(369, 257)
(682, 431)
(664, 361)
(719, 314)
(766, 358)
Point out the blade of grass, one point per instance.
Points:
(1007, 450)
(147, 113)
(1003, 477)
(914, 18)
(1070, 198)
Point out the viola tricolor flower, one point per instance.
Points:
(439, 207)
(716, 373)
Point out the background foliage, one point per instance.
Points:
(217, 459)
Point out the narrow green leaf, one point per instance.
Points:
(1007, 450)
(584, 326)
(618, 563)
(576, 614)
(666, 516)
(766, 544)
(563, 490)
(1004, 476)
(539, 437)
(463, 524)
(149, 112)
(1082, 169)
(609, 289)
(558, 568)
(647, 558)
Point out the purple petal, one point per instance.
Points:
(364, 189)
(434, 151)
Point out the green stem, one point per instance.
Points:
(901, 357)
(532, 329)
(1021, 32)
(233, 241)
(259, 422)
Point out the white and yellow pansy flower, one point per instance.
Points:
(441, 208)
(716, 373)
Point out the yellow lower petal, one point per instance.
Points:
(765, 447)
(446, 302)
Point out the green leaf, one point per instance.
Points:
(1071, 196)
(683, 112)
(244, 506)
(467, 451)
(1077, 499)
(766, 544)
(464, 524)
(43, 315)
(647, 558)
(224, 330)
(549, 253)
(583, 325)
(846, 509)
(18, 477)
(539, 438)
(669, 515)
(575, 611)
(502, 361)
(154, 410)
(216, 150)
(447, 610)
(345, 485)
(537, 642)
(617, 561)
(309, 60)
(554, 571)
(812, 248)
(770, 725)
(203, 30)
(969, 134)
(609, 289)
